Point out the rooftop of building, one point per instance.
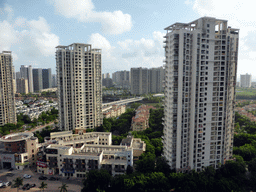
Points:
(87, 153)
(17, 137)
(54, 146)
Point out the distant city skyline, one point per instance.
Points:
(130, 33)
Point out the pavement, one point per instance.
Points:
(74, 184)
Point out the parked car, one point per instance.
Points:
(1, 184)
(11, 169)
(26, 176)
(9, 174)
(8, 183)
(53, 179)
(43, 178)
(32, 185)
(26, 186)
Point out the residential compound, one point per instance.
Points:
(140, 120)
(7, 99)
(79, 86)
(20, 150)
(73, 155)
(144, 81)
(245, 80)
(200, 79)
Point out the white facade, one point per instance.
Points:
(245, 80)
(79, 86)
(201, 67)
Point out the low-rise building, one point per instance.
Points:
(20, 150)
(140, 120)
(114, 111)
(136, 144)
(73, 155)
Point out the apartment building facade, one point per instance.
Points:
(79, 86)
(144, 81)
(37, 79)
(121, 79)
(7, 98)
(200, 79)
(22, 86)
(47, 78)
(245, 80)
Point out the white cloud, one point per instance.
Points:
(29, 40)
(240, 14)
(8, 36)
(130, 53)
(83, 10)
(33, 37)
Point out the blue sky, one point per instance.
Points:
(130, 33)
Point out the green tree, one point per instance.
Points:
(63, 187)
(43, 186)
(97, 180)
(18, 182)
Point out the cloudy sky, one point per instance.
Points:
(130, 33)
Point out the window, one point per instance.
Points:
(208, 25)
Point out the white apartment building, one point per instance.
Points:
(79, 86)
(201, 67)
(245, 80)
(74, 155)
(7, 98)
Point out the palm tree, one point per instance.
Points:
(18, 182)
(63, 187)
(43, 186)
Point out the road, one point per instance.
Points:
(124, 101)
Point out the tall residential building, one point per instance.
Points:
(105, 75)
(7, 99)
(107, 82)
(54, 80)
(144, 81)
(26, 73)
(245, 80)
(155, 80)
(22, 86)
(47, 78)
(37, 79)
(200, 79)
(139, 81)
(122, 78)
(79, 86)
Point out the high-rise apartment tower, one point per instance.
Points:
(245, 80)
(201, 67)
(26, 73)
(7, 98)
(79, 86)
(47, 78)
(37, 79)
